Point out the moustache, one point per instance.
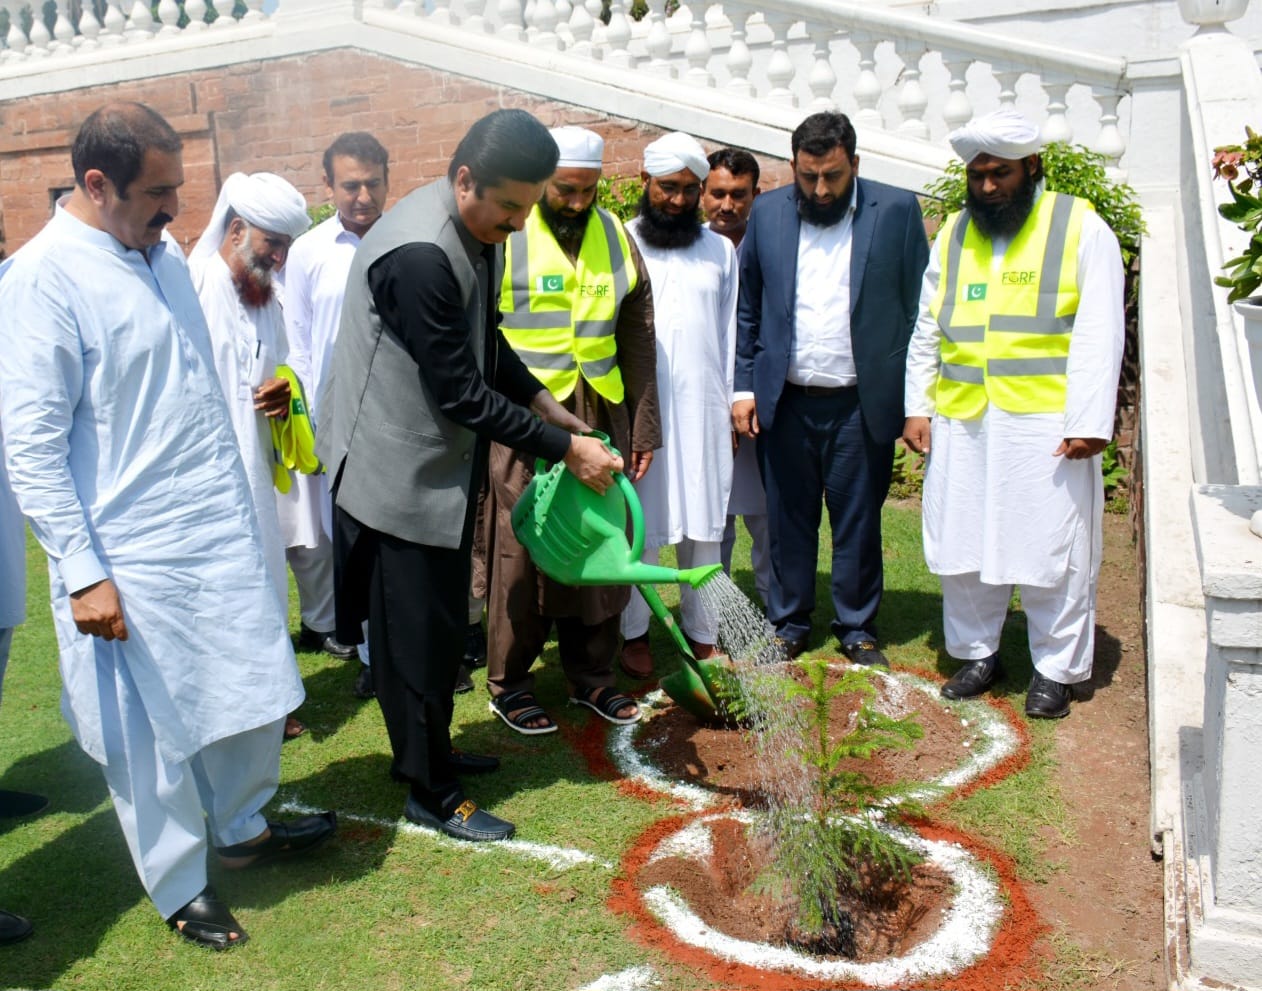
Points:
(161, 220)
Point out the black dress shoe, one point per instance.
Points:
(475, 646)
(13, 928)
(207, 922)
(363, 684)
(865, 653)
(780, 649)
(15, 804)
(309, 639)
(463, 762)
(285, 839)
(464, 681)
(1046, 699)
(468, 822)
(974, 678)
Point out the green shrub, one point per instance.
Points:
(620, 195)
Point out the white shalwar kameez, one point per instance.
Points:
(315, 285)
(685, 492)
(999, 509)
(248, 343)
(121, 453)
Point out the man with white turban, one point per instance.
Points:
(693, 272)
(578, 310)
(255, 220)
(1011, 386)
(120, 451)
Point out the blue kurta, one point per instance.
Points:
(122, 455)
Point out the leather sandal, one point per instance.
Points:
(207, 922)
(524, 708)
(284, 839)
(606, 703)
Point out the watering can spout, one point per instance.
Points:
(696, 577)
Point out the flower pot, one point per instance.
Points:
(1250, 311)
(1209, 12)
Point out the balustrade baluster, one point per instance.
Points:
(581, 25)
(113, 25)
(867, 87)
(475, 17)
(780, 69)
(542, 29)
(697, 49)
(169, 15)
(739, 58)
(253, 12)
(510, 12)
(63, 29)
(442, 12)
(139, 22)
(822, 80)
(912, 99)
(89, 28)
(1056, 127)
(223, 14)
(1109, 142)
(618, 37)
(196, 12)
(1007, 80)
(957, 110)
(15, 41)
(657, 41)
(39, 37)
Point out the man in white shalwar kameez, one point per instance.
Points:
(176, 663)
(693, 273)
(255, 220)
(1011, 386)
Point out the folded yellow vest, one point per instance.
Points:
(293, 439)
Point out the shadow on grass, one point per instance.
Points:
(74, 889)
(330, 702)
(69, 778)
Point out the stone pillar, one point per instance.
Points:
(1224, 801)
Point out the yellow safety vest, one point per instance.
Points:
(559, 316)
(1005, 333)
(293, 440)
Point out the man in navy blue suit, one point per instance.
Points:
(830, 280)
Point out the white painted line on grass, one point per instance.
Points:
(631, 979)
(557, 857)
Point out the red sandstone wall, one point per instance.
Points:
(279, 116)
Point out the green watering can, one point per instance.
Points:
(577, 536)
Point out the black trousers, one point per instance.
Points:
(415, 598)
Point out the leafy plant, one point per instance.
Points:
(836, 842)
(620, 195)
(1115, 473)
(1242, 274)
(908, 478)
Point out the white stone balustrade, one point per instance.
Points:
(910, 76)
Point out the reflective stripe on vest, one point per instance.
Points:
(560, 316)
(1006, 331)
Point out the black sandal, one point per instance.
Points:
(207, 922)
(607, 702)
(524, 704)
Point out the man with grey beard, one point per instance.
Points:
(255, 220)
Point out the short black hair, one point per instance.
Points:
(822, 132)
(736, 161)
(506, 145)
(359, 145)
(114, 140)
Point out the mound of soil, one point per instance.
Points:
(882, 920)
(722, 758)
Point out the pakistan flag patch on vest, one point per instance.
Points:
(974, 291)
(550, 283)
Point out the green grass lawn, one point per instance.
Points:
(386, 906)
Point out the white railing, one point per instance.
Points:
(909, 76)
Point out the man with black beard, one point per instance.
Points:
(1011, 382)
(578, 311)
(694, 301)
(830, 279)
(255, 220)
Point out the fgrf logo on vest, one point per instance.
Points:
(1019, 278)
